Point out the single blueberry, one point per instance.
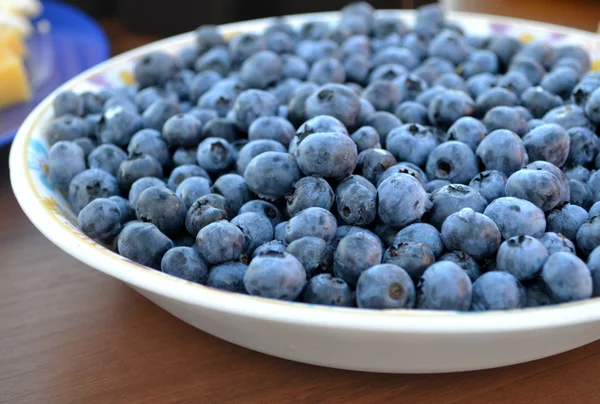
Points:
(444, 286)
(385, 286)
(184, 263)
(89, 185)
(567, 277)
(100, 219)
(143, 243)
(275, 275)
(497, 290)
(516, 217)
(327, 290)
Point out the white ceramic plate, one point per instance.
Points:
(402, 341)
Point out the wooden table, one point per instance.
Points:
(69, 334)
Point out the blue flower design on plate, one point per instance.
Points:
(37, 162)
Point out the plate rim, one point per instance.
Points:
(404, 321)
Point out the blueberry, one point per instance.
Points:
(383, 122)
(502, 150)
(220, 242)
(275, 275)
(272, 128)
(567, 220)
(327, 70)
(583, 146)
(480, 61)
(215, 155)
(507, 118)
(149, 141)
(343, 231)
(235, 190)
(412, 112)
(66, 127)
(514, 81)
(279, 42)
(411, 142)
(257, 230)
(451, 81)
(143, 243)
(126, 214)
(252, 104)
(414, 258)
(465, 261)
(449, 45)
(180, 84)
(313, 50)
(356, 200)
(505, 47)
(217, 201)
(253, 149)
(261, 70)
(494, 97)
(573, 51)
(335, 100)
(154, 69)
(548, 142)
(385, 286)
(68, 103)
(592, 107)
(402, 200)
(537, 294)
(228, 276)
(468, 130)
(539, 101)
(140, 185)
(285, 90)
(578, 173)
(143, 99)
(568, 116)
(447, 107)
(208, 36)
(184, 263)
(223, 128)
(327, 290)
(557, 243)
(135, 167)
(560, 81)
(191, 189)
(395, 55)
(184, 171)
(417, 45)
(582, 91)
(567, 277)
(444, 286)
(490, 184)
(388, 71)
(434, 185)
(187, 56)
(588, 235)
(386, 26)
(480, 84)
(163, 208)
(264, 208)
(309, 192)
(451, 199)
(403, 168)
(100, 219)
(340, 150)
(294, 67)
(595, 209)
(92, 102)
(366, 137)
(557, 172)
(536, 186)
(471, 232)
(522, 256)
(279, 233)
(203, 115)
(314, 254)
(155, 116)
(313, 221)
(182, 130)
(453, 161)
(270, 175)
(366, 111)
(593, 264)
(383, 95)
(530, 67)
(356, 68)
(201, 214)
(421, 233)
(202, 83)
(516, 217)
(534, 123)
(411, 86)
(216, 59)
(354, 254)
(497, 290)
(374, 162)
(65, 161)
(221, 101)
(89, 185)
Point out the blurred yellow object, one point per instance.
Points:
(12, 40)
(13, 79)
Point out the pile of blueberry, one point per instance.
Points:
(359, 164)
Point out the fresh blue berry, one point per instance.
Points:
(327, 290)
(385, 286)
(451, 199)
(100, 219)
(135, 167)
(65, 161)
(313, 221)
(567, 277)
(89, 185)
(453, 161)
(275, 275)
(315, 255)
(228, 276)
(402, 200)
(465, 261)
(522, 256)
(536, 186)
(497, 290)
(184, 263)
(143, 243)
(516, 217)
(444, 286)
(502, 150)
(309, 192)
(354, 254)
(220, 242)
(356, 200)
(489, 184)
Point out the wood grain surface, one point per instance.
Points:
(69, 334)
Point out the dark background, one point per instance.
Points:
(167, 17)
